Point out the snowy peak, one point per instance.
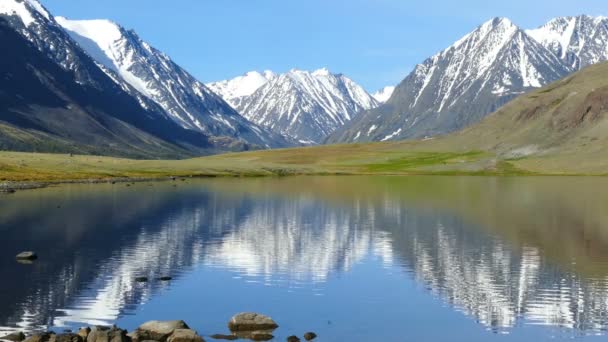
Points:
(460, 85)
(154, 75)
(242, 85)
(579, 41)
(383, 94)
(303, 105)
(26, 10)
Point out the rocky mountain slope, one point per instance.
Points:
(460, 85)
(56, 99)
(579, 41)
(154, 75)
(305, 106)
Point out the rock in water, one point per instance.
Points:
(106, 334)
(293, 339)
(184, 335)
(309, 336)
(15, 337)
(224, 337)
(157, 330)
(27, 256)
(250, 321)
(141, 279)
(84, 332)
(43, 337)
(68, 337)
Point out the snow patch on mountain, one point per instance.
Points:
(383, 94)
(240, 86)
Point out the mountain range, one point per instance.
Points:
(94, 87)
(477, 75)
(302, 105)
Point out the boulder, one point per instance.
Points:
(15, 337)
(184, 335)
(68, 337)
(28, 255)
(84, 332)
(107, 334)
(141, 279)
(293, 338)
(42, 337)
(309, 336)
(250, 321)
(165, 278)
(157, 330)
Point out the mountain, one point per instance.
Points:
(305, 106)
(579, 41)
(153, 74)
(383, 94)
(563, 123)
(460, 85)
(54, 97)
(232, 90)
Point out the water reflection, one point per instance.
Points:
(502, 251)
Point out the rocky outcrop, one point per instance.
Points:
(184, 335)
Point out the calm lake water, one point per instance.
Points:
(351, 258)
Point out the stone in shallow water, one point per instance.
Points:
(84, 332)
(42, 337)
(224, 337)
(184, 335)
(28, 255)
(15, 337)
(309, 336)
(107, 334)
(157, 330)
(250, 321)
(293, 338)
(68, 337)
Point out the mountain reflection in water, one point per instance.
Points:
(503, 251)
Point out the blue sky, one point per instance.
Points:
(375, 42)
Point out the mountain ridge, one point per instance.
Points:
(303, 105)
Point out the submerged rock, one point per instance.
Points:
(15, 337)
(185, 335)
(141, 279)
(157, 330)
(265, 335)
(309, 336)
(293, 338)
(28, 255)
(166, 278)
(251, 321)
(224, 337)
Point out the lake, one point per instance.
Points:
(350, 258)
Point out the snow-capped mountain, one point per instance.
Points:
(59, 99)
(153, 74)
(579, 41)
(241, 86)
(383, 94)
(306, 106)
(460, 85)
